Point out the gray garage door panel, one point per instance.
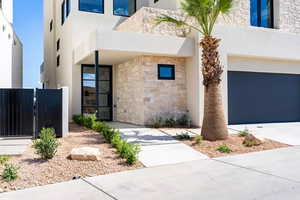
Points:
(263, 97)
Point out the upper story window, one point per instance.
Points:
(96, 6)
(124, 7)
(0, 4)
(57, 44)
(262, 14)
(155, 1)
(51, 25)
(68, 7)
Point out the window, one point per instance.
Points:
(58, 60)
(0, 4)
(96, 6)
(58, 45)
(155, 1)
(124, 7)
(51, 25)
(68, 7)
(166, 72)
(262, 13)
(63, 13)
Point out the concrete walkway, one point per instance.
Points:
(288, 133)
(268, 175)
(158, 148)
(14, 146)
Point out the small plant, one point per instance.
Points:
(170, 122)
(244, 133)
(89, 120)
(10, 172)
(224, 149)
(183, 120)
(4, 159)
(78, 119)
(198, 139)
(158, 123)
(47, 145)
(130, 152)
(183, 136)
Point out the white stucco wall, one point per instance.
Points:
(11, 58)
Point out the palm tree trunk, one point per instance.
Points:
(214, 125)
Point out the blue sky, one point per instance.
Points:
(28, 24)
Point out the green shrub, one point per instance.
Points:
(130, 152)
(78, 119)
(170, 122)
(47, 145)
(198, 139)
(224, 149)
(10, 172)
(4, 159)
(158, 123)
(183, 120)
(244, 133)
(183, 136)
(89, 120)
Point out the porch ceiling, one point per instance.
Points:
(116, 47)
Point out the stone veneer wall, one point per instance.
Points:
(143, 20)
(142, 98)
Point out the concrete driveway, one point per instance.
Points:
(268, 175)
(288, 133)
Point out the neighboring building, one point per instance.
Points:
(147, 72)
(11, 49)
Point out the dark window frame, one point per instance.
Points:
(58, 61)
(63, 12)
(111, 88)
(58, 44)
(135, 7)
(259, 16)
(68, 7)
(103, 6)
(171, 66)
(51, 25)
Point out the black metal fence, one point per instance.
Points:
(24, 112)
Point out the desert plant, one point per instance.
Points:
(158, 123)
(198, 139)
(224, 149)
(130, 152)
(244, 133)
(47, 145)
(170, 122)
(89, 120)
(201, 16)
(183, 136)
(10, 172)
(183, 120)
(4, 159)
(78, 119)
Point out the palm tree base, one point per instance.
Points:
(214, 125)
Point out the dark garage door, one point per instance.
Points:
(263, 97)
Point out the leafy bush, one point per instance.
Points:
(10, 172)
(124, 149)
(47, 145)
(183, 136)
(158, 123)
(183, 120)
(224, 149)
(4, 159)
(170, 122)
(198, 139)
(244, 133)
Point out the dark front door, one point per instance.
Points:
(263, 97)
(89, 94)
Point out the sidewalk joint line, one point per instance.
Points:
(98, 188)
(256, 170)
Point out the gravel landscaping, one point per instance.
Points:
(234, 142)
(35, 171)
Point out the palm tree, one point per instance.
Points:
(201, 16)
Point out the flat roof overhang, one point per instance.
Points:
(116, 47)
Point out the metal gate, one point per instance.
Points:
(23, 112)
(16, 112)
(49, 110)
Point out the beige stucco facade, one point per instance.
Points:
(135, 47)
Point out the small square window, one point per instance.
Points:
(155, 1)
(58, 60)
(166, 72)
(58, 45)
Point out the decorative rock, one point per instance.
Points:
(250, 140)
(85, 154)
